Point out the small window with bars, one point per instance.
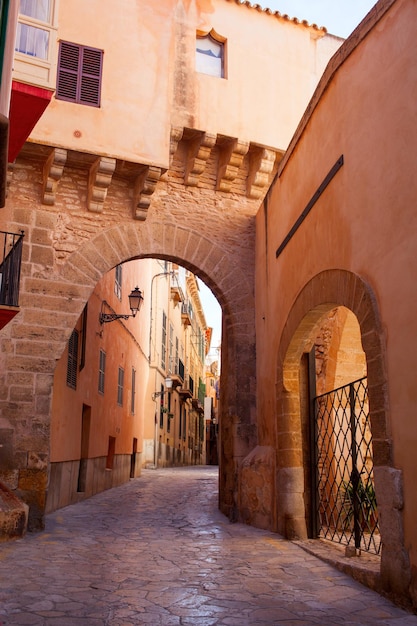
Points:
(101, 371)
(72, 363)
(120, 386)
(79, 74)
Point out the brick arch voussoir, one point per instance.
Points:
(230, 279)
(218, 267)
(323, 292)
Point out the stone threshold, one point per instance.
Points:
(365, 568)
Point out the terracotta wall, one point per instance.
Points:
(356, 247)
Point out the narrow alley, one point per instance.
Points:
(157, 551)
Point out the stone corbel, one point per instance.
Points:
(52, 174)
(145, 185)
(101, 173)
(231, 157)
(198, 154)
(261, 166)
(176, 136)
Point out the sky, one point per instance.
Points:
(340, 17)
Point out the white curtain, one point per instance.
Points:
(30, 39)
(39, 9)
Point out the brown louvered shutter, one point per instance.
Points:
(79, 74)
(90, 84)
(68, 64)
(72, 361)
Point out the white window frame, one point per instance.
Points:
(206, 63)
(29, 67)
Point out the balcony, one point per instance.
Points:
(186, 313)
(10, 263)
(187, 390)
(177, 375)
(34, 70)
(176, 295)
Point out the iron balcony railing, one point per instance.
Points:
(11, 245)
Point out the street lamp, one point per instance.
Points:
(135, 302)
(168, 385)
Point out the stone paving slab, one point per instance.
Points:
(157, 552)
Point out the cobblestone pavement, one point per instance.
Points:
(157, 551)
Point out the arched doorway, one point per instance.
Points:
(337, 311)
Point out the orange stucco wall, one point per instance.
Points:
(150, 83)
(364, 222)
(107, 417)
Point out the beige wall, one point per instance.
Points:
(361, 233)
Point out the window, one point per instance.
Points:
(118, 282)
(164, 340)
(170, 415)
(184, 427)
(171, 346)
(133, 397)
(101, 371)
(72, 360)
(176, 355)
(83, 337)
(79, 74)
(209, 56)
(111, 450)
(120, 385)
(33, 34)
(161, 409)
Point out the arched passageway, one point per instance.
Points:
(134, 392)
(67, 249)
(77, 279)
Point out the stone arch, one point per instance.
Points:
(232, 287)
(51, 304)
(325, 291)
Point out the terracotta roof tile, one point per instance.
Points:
(277, 14)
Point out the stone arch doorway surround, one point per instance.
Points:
(67, 289)
(324, 292)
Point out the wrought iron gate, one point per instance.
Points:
(345, 506)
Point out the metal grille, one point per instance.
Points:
(346, 506)
(10, 261)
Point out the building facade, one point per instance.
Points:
(300, 219)
(99, 184)
(178, 347)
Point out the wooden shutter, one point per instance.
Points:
(68, 65)
(90, 85)
(79, 74)
(72, 360)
